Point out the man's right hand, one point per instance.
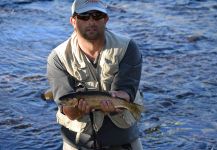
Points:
(76, 112)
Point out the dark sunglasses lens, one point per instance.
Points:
(98, 16)
(83, 16)
(95, 16)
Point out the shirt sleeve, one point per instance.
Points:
(59, 79)
(129, 74)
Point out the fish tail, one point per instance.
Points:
(136, 111)
(141, 108)
(136, 115)
(47, 95)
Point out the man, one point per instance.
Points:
(94, 58)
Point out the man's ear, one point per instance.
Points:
(106, 18)
(72, 21)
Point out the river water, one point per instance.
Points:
(178, 40)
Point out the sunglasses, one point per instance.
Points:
(95, 15)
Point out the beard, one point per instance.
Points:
(92, 33)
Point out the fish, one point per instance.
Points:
(93, 99)
(47, 95)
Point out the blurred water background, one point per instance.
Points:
(178, 40)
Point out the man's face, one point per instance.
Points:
(90, 25)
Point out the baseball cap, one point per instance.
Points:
(81, 6)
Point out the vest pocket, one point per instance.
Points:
(110, 67)
(81, 74)
(109, 71)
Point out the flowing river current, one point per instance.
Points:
(178, 40)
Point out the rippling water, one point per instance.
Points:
(178, 40)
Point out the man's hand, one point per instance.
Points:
(120, 94)
(75, 112)
(83, 106)
(108, 107)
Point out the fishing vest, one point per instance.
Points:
(99, 78)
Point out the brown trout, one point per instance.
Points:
(47, 95)
(93, 99)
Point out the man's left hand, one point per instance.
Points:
(108, 107)
(120, 94)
